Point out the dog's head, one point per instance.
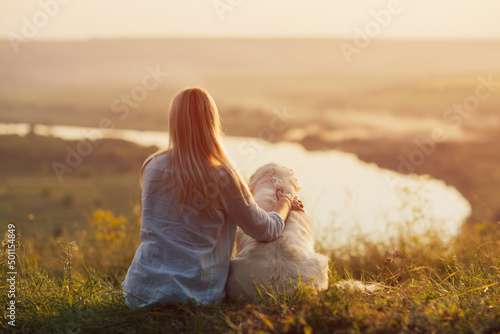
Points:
(274, 176)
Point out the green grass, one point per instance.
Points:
(107, 178)
(462, 300)
(453, 288)
(429, 287)
(65, 205)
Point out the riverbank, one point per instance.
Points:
(469, 166)
(345, 197)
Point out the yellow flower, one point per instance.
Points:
(107, 226)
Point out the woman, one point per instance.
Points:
(192, 202)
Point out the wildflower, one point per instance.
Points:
(107, 226)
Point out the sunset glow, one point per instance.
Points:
(336, 161)
(215, 18)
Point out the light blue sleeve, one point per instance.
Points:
(252, 219)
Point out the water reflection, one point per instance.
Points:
(345, 197)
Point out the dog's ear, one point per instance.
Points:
(258, 175)
(295, 180)
(265, 172)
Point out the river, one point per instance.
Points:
(345, 197)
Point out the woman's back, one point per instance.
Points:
(186, 255)
(190, 251)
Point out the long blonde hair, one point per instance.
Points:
(196, 155)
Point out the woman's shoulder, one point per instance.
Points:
(157, 160)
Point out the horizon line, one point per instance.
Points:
(218, 37)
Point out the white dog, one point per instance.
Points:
(259, 268)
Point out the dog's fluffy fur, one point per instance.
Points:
(280, 265)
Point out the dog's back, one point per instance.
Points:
(278, 266)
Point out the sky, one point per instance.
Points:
(407, 19)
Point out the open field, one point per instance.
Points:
(44, 207)
(32, 195)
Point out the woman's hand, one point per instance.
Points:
(287, 202)
(294, 201)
